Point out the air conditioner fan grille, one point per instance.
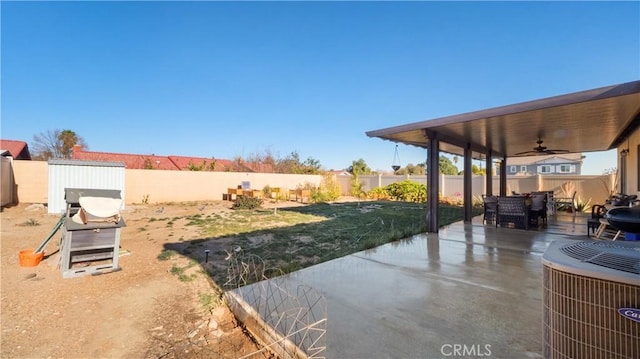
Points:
(605, 254)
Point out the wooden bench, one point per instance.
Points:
(274, 192)
(234, 192)
(299, 194)
(243, 192)
(254, 193)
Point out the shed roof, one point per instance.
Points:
(59, 161)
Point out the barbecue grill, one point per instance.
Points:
(90, 240)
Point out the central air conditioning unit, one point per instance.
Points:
(591, 299)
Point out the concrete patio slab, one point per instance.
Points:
(470, 291)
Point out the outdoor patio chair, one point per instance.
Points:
(563, 202)
(513, 211)
(548, 199)
(605, 228)
(490, 209)
(538, 208)
(597, 213)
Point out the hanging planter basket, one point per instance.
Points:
(396, 161)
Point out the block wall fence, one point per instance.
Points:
(31, 181)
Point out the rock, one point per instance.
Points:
(192, 334)
(213, 324)
(35, 207)
(219, 312)
(217, 333)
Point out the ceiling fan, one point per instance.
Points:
(540, 150)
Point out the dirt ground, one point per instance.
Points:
(141, 311)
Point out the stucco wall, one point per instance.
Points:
(633, 169)
(160, 186)
(31, 180)
(175, 186)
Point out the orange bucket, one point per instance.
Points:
(30, 259)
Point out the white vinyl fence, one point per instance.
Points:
(593, 188)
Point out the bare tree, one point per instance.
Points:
(267, 161)
(56, 144)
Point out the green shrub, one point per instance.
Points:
(477, 202)
(329, 190)
(31, 223)
(317, 196)
(244, 202)
(407, 191)
(357, 187)
(166, 254)
(210, 301)
(583, 206)
(378, 193)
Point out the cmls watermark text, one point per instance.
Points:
(466, 350)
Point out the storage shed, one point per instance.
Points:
(7, 182)
(81, 174)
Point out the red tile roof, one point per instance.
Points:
(259, 167)
(219, 165)
(18, 149)
(132, 161)
(176, 163)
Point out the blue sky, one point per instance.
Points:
(227, 79)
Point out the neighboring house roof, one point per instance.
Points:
(259, 167)
(132, 161)
(219, 165)
(174, 163)
(558, 158)
(19, 150)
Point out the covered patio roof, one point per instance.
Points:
(586, 121)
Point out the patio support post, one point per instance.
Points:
(433, 171)
(503, 177)
(468, 187)
(489, 175)
(623, 170)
